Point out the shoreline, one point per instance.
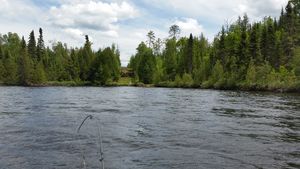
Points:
(141, 85)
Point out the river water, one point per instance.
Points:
(148, 128)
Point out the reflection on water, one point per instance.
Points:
(148, 128)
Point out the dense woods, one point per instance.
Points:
(31, 63)
(263, 55)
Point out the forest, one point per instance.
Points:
(32, 64)
(263, 55)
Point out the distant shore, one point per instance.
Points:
(129, 82)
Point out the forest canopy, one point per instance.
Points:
(31, 63)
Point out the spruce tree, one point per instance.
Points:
(40, 46)
(243, 55)
(189, 55)
(221, 47)
(254, 46)
(25, 66)
(271, 44)
(2, 68)
(32, 47)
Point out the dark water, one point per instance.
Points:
(148, 128)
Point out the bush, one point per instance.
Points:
(178, 81)
(187, 80)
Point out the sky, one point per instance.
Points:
(126, 22)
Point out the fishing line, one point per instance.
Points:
(99, 144)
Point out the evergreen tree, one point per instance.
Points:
(40, 46)
(32, 47)
(2, 68)
(25, 66)
(174, 31)
(271, 44)
(254, 46)
(221, 47)
(151, 39)
(243, 52)
(189, 55)
(86, 59)
(170, 59)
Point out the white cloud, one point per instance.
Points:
(18, 10)
(92, 15)
(74, 33)
(219, 11)
(189, 25)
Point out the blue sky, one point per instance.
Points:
(125, 22)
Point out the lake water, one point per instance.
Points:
(148, 128)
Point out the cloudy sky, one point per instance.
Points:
(125, 22)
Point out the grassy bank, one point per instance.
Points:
(127, 81)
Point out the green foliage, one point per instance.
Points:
(32, 47)
(105, 68)
(25, 66)
(40, 49)
(144, 64)
(187, 80)
(170, 59)
(39, 75)
(251, 75)
(159, 71)
(296, 62)
(2, 72)
(260, 56)
(217, 78)
(283, 79)
(188, 57)
(10, 73)
(146, 68)
(36, 65)
(178, 81)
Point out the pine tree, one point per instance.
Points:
(189, 55)
(1, 53)
(243, 51)
(40, 46)
(25, 66)
(32, 47)
(2, 68)
(290, 31)
(86, 59)
(174, 31)
(221, 55)
(264, 42)
(254, 46)
(271, 44)
(151, 39)
(2, 72)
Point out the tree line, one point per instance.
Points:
(31, 63)
(263, 55)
